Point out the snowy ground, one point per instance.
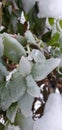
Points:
(52, 118)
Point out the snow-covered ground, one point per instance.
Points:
(52, 118)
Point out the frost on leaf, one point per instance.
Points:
(25, 104)
(24, 66)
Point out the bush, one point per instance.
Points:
(30, 57)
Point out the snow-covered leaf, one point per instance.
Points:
(12, 48)
(30, 38)
(25, 104)
(11, 112)
(37, 55)
(41, 70)
(25, 123)
(24, 66)
(33, 88)
(12, 91)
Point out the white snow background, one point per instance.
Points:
(47, 8)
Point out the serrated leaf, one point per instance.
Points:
(25, 104)
(25, 123)
(40, 71)
(24, 66)
(30, 38)
(12, 91)
(12, 48)
(33, 88)
(11, 127)
(1, 47)
(37, 55)
(11, 112)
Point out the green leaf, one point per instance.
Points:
(54, 40)
(25, 104)
(37, 56)
(33, 88)
(1, 126)
(24, 66)
(11, 112)
(11, 127)
(40, 71)
(12, 91)
(12, 27)
(12, 48)
(51, 21)
(60, 22)
(37, 25)
(46, 37)
(25, 123)
(1, 47)
(30, 38)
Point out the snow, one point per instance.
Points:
(8, 77)
(37, 105)
(47, 8)
(52, 118)
(50, 8)
(2, 119)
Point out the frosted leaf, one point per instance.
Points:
(41, 70)
(29, 36)
(32, 87)
(37, 56)
(12, 48)
(25, 104)
(12, 91)
(24, 66)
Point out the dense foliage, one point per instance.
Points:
(29, 52)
